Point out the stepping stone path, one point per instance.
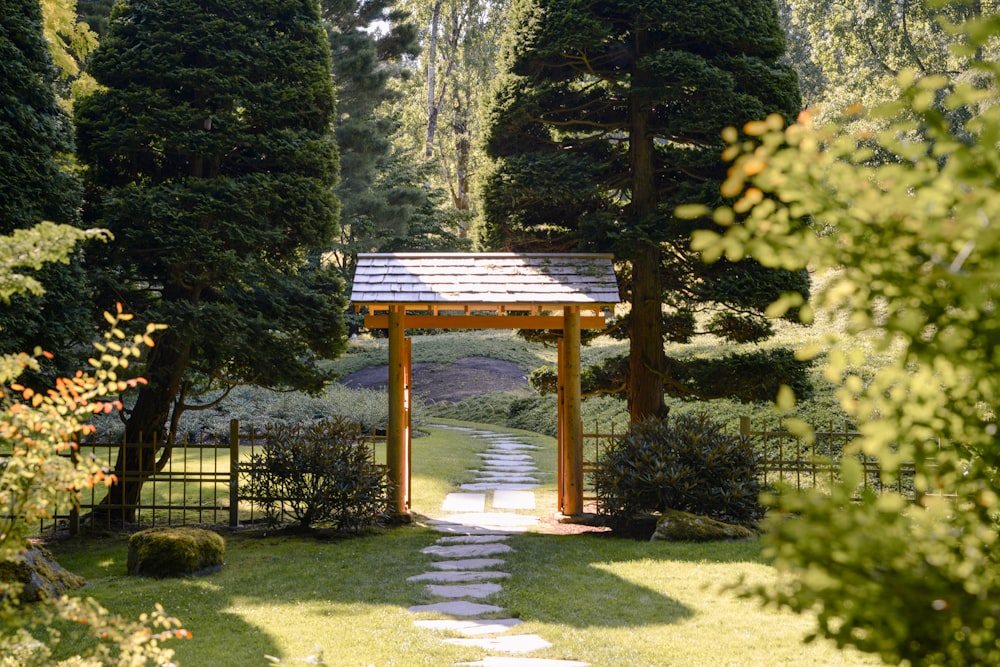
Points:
(467, 569)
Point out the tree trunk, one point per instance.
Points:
(646, 359)
(432, 105)
(145, 429)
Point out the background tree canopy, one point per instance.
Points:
(608, 116)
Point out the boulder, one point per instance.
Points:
(171, 552)
(677, 526)
(43, 578)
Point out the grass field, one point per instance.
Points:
(613, 602)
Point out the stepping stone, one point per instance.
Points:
(508, 479)
(504, 520)
(467, 563)
(495, 661)
(506, 644)
(474, 591)
(455, 526)
(513, 500)
(506, 458)
(466, 550)
(471, 628)
(510, 467)
(464, 502)
(458, 576)
(457, 608)
(494, 486)
(495, 473)
(472, 539)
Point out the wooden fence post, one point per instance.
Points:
(234, 472)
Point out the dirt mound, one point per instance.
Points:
(435, 383)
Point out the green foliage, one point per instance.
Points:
(856, 49)
(684, 463)
(745, 376)
(37, 478)
(211, 158)
(37, 183)
(604, 118)
(917, 238)
(740, 328)
(320, 474)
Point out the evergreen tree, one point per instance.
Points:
(211, 158)
(36, 183)
(609, 115)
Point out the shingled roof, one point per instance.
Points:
(485, 279)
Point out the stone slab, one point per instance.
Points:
(456, 527)
(510, 467)
(458, 576)
(471, 539)
(505, 644)
(489, 520)
(467, 563)
(466, 550)
(513, 500)
(471, 628)
(512, 446)
(464, 502)
(474, 591)
(508, 479)
(457, 608)
(506, 458)
(499, 486)
(496, 473)
(498, 661)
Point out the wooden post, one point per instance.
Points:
(396, 445)
(572, 500)
(561, 424)
(234, 472)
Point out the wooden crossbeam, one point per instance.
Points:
(483, 322)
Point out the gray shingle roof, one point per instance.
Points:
(490, 279)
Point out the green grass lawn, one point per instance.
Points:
(611, 602)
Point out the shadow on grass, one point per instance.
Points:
(571, 580)
(283, 594)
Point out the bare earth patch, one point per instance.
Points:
(449, 383)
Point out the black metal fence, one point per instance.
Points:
(202, 482)
(786, 459)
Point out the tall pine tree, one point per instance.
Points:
(607, 117)
(36, 183)
(211, 158)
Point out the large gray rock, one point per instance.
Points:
(170, 552)
(42, 577)
(677, 526)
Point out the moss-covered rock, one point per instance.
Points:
(42, 577)
(677, 526)
(170, 552)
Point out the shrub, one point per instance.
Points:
(740, 328)
(684, 463)
(320, 474)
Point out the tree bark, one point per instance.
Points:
(646, 358)
(432, 105)
(145, 429)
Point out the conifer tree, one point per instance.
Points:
(609, 115)
(211, 158)
(36, 183)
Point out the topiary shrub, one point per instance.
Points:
(173, 551)
(738, 328)
(321, 474)
(684, 463)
